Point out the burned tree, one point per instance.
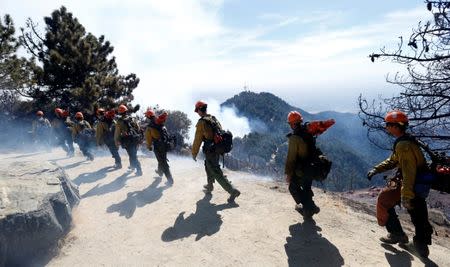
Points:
(425, 86)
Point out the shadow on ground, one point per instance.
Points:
(139, 199)
(307, 247)
(404, 257)
(204, 222)
(113, 186)
(90, 177)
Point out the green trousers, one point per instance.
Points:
(214, 172)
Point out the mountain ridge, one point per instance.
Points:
(345, 143)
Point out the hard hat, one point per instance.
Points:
(58, 111)
(79, 115)
(162, 118)
(199, 105)
(149, 113)
(396, 116)
(40, 113)
(294, 117)
(110, 114)
(122, 109)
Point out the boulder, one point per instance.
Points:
(36, 201)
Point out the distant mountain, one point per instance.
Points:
(265, 148)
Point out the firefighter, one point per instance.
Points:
(300, 148)
(410, 162)
(41, 129)
(105, 134)
(157, 140)
(62, 127)
(127, 134)
(83, 134)
(205, 134)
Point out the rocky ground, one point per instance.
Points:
(36, 202)
(127, 220)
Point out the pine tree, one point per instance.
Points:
(78, 69)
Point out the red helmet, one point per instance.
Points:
(110, 114)
(294, 117)
(58, 111)
(149, 113)
(100, 111)
(396, 116)
(40, 113)
(199, 105)
(122, 109)
(65, 114)
(79, 115)
(162, 118)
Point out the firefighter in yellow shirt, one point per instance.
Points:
(105, 134)
(156, 137)
(298, 154)
(410, 162)
(204, 134)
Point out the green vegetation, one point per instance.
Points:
(265, 148)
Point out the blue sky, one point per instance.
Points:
(311, 53)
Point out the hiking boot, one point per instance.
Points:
(394, 239)
(169, 180)
(422, 249)
(139, 172)
(307, 214)
(315, 209)
(416, 248)
(233, 195)
(90, 157)
(208, 188)
(160, 173)
(118, 166)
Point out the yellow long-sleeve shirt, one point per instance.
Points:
(203, 132)
(408, 157)
(297, 151)
(150, 135)
(101, 131)
(122, 128)
(79, 126)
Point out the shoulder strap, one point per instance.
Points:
(407, 137)
(212, 122)
(308, 138)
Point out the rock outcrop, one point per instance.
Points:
(36, 201)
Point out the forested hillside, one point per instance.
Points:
(264, 149)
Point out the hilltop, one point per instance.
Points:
(345, 143)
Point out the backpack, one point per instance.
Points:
(316, 166)
(168, 142)
(437, 174)
(109, 134)
(86, 135)
(223, 140)
(42, 126)
(133, 134)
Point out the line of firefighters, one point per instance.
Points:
(115, 130)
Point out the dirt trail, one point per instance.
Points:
(128, 220)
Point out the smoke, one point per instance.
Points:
(228, 118)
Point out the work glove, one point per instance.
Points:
(370, 174)
(407, 204)
(194, 157)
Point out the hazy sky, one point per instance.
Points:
(311, 53)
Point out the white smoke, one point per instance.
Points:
(228, 118)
